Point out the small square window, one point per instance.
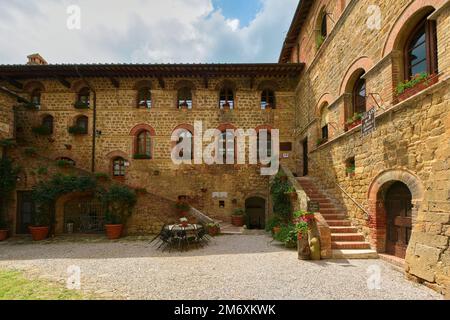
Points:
(222, 204)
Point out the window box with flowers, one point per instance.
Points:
(42, 131)
(354, 121)
(81, 105)
(417, 83)
(77, 130)
(142, 157)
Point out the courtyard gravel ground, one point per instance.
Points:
(231, 267)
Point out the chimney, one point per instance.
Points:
(36, 59)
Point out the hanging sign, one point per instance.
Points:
(368, 122)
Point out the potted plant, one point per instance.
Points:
(354, 121)
(41, 224)
(213, 229)
(81, 105)
(274, 225)
(183, 208)
(292, 193)
(119, 202)
(76, 130)
(416, 84)
(238, 218)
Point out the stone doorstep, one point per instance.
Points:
(354, 254)
(396, 262)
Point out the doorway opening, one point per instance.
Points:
(305, 157)
(255, 208)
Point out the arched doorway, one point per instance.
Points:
(398, 206)
(255, 208)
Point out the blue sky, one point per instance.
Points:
(145, 31)
(244, 10)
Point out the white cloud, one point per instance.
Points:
(144, 31)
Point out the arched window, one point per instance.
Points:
(324, 123)
(227, 145)
(359, 97)
(82, 124)
(421, 50)
(47, 122)
(185, 98)
(226, 98)
(119, 167)
(268, 99)
(35, 97)
(144, 99)
(143, 145)
(186, 135)
(84, 96)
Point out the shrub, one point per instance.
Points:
(119, 202)
(320, 40)
(42, 170)
(281, 202)
(63, 163)
(81, 105)
(30, 151)
(273, 222)
(239, 212)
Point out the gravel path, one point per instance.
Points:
(231, 267)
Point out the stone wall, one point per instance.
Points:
(411, 141)
(117, 115)
(6, 116)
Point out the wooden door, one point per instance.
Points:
(398, 205)
(25, 211)
(305, 158)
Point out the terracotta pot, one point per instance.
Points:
(213, 231)
(3, 235)
(39, 233)
(354, 124)
(114, 231)
(276, 230)
(237, 221)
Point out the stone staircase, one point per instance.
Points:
(346, 241)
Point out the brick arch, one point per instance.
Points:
(408, 15)
(325, 99)
(377, 211)
(117, 154)
(185, 126)
(226, 84)
(268, 84)
(142, 127)
(184, 84)
(142, 84)
(32, 85)
(226, 126)
(412, 181)
(77, 85)
(363, 63)
(264, 127)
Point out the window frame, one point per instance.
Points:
(181, 99)
(148, 98)
(430, 48)
(82, 122)
(147, 144)
(84, 92)
(227, 92)
(122, 168)
(36, 93)
(268, 94)
(357, 88)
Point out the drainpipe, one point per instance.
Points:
(94, 121)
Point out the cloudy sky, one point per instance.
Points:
(144, 31)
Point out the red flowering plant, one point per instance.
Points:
(301, 229)
(303, 216)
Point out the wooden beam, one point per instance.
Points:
(13, 82)
(162, 84)
(63, 81)
(115, 82)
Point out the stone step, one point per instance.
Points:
(343, 230)
(339, 223)
(350, 245)
(229, 229)
(337, 216)
(354, 254)
(344, 237)
(330, 211)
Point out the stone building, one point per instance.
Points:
(372, 146)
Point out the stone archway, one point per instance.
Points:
(378, 189)
(255, 207)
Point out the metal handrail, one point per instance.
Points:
(353, 200)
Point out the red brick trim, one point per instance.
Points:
(116, 154)
(226, 126)
(30, 86)
(142, 127)
(325, 99)
(402, 22)
(264, 126)
(143, 83)
(377, 211)
(364, 63)
(185, 126)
